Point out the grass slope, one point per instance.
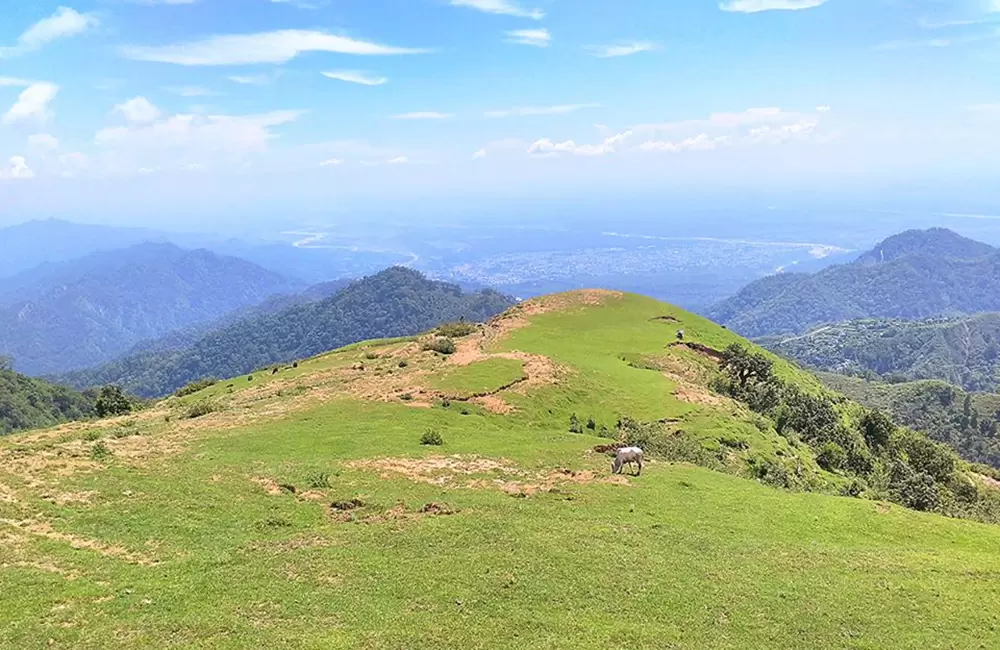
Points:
(171, 531)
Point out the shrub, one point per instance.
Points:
(574, 424)
(199, 409)
(877, 428)
(403, 363)
(100, 451)
(457, 329)
(112, 401)
(431, 437)
(591, 424)
(831, 456)
(92, 435)
(927, 457)
(446, 403)
(195, 386)
(371, 355)
(919, 492)
(318, 480)
(854, 489)
(442, 344)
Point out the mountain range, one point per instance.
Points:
(67, 315)
(913, 275)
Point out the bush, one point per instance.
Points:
(403, 363)
(195, 386)
(199, 409)
(877, 428)
(92, 435)
(574, 424)
(112, 401)
(431, 437)
(442, 344)
(457, 329)
(919, 492)
(100, 451)
(371, 355)
(318, 480)
(831, 456)
(591, 424)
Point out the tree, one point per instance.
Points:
(877, 428)
(744, 365)
(112, 401)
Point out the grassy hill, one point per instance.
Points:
(916, 274)
(300, 509)
(964, 351)
(395, 302)
(28, 403)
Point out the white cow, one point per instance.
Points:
(628, 455)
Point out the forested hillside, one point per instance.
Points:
(917, 274)
(968, 422)
(75, 314)
(395, 302)
(963, 351)
(28, 403)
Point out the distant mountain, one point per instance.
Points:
(963, 351)
(30, 244)
(28, 403)
(395, 302)
(924, 274)
(75, 314)
(968, 422)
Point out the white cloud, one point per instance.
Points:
(63, 23)
(43, 142)
(479, 155)
(264, 47)
(823, 109)
(754, 6)
(992, 110)
(423, 115)
(32, 103)
(535, 37)
(398, 160)
(560, 109)
(700, 142)
(13, 81)
(138, 110)
(907, 45)
(253, 79)
(192, 91)
(546, 147)
(621, 49)
(505, 7)
(356, 77)
(332, 162)
(186, 142)
(16, 169)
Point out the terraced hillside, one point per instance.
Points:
(300, 509)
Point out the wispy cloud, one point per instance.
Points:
(560, 109)
(423, 115)
(13, 81)
(907, 45)
(356, 77)
(621, 49)
(332, 162)
(479, 155)
(536, 37)
(505, 7)
(254, 79)
(192, 91)
(398, 160)
(32, 104)
(546, 147)
(63, 23)
(755, 6)
(264, 47)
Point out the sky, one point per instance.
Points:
(184, 109)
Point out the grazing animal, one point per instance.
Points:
(630, 455)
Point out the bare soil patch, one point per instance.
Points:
(44, 529)
(700, 348)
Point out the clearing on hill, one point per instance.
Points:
(387, 495)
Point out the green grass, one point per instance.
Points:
(681, 557)
(479, 378)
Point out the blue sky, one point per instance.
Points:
(113, 106)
